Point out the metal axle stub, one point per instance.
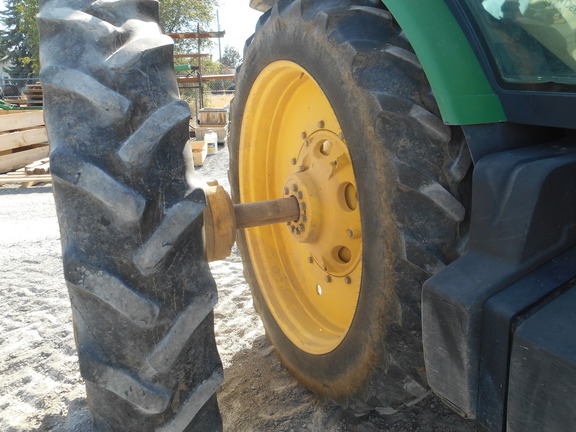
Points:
(222, 218)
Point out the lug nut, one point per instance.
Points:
(293, 161)
(292, 229)
(300, 194)
(328, 278)
(310, 260)
(303, 206)
(303, 135)
(301, 227)
(350, 233)
(321, 124)
(286, 190)
(306, 143)
(295, 187)
(297, 231)
(348, 280)
(304, 218)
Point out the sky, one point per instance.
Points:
(238, 21)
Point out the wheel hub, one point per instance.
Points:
(323, 184)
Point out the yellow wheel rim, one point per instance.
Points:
(308, 271)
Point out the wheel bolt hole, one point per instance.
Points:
(350, 196)
(344, 255)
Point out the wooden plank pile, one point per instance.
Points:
(213, 120)
(34, 95)
(23, 142)
(30, 175)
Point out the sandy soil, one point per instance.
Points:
(41, 388)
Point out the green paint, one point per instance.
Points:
(12, 107)
(457, 79)
(182, 68)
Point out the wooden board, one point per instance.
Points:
(24, 179)
(14, 120)
(22, 158)
(23, 138)
(221, 131)
(213, 116)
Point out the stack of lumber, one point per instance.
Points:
(213, 119)
(34, 173)
(34, 95)
(23, 139)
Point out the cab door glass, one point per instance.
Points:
(531, 41)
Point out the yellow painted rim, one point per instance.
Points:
(309, 271)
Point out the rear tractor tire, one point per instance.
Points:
(332, 107)
(139, 284)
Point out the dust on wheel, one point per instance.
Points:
(140, 288)
(354, 134)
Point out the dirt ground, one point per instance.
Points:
(41, 388)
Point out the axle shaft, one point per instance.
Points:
(266, 212)
(222, 218)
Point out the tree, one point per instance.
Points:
(19, 37)
(187, 15)
(184, 15)
(231, 58)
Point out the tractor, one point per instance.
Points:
(403, 196)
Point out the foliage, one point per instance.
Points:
(187, 16)
(184, 15)
(231, 58)
(19, 37)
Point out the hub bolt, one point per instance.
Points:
(310, 260)
(295, 187)
(301, 227)
(347, 280)
(321, 124)
(328, 278)
(350, 233)
(300, 194)
(293, 161)
(303, 135)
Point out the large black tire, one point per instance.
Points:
(141, 291)
(412, 178)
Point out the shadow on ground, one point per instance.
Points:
(259, 394)
(77, 419)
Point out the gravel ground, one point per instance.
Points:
(41, 388)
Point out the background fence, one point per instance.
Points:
(15, 87)
(215, 94)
